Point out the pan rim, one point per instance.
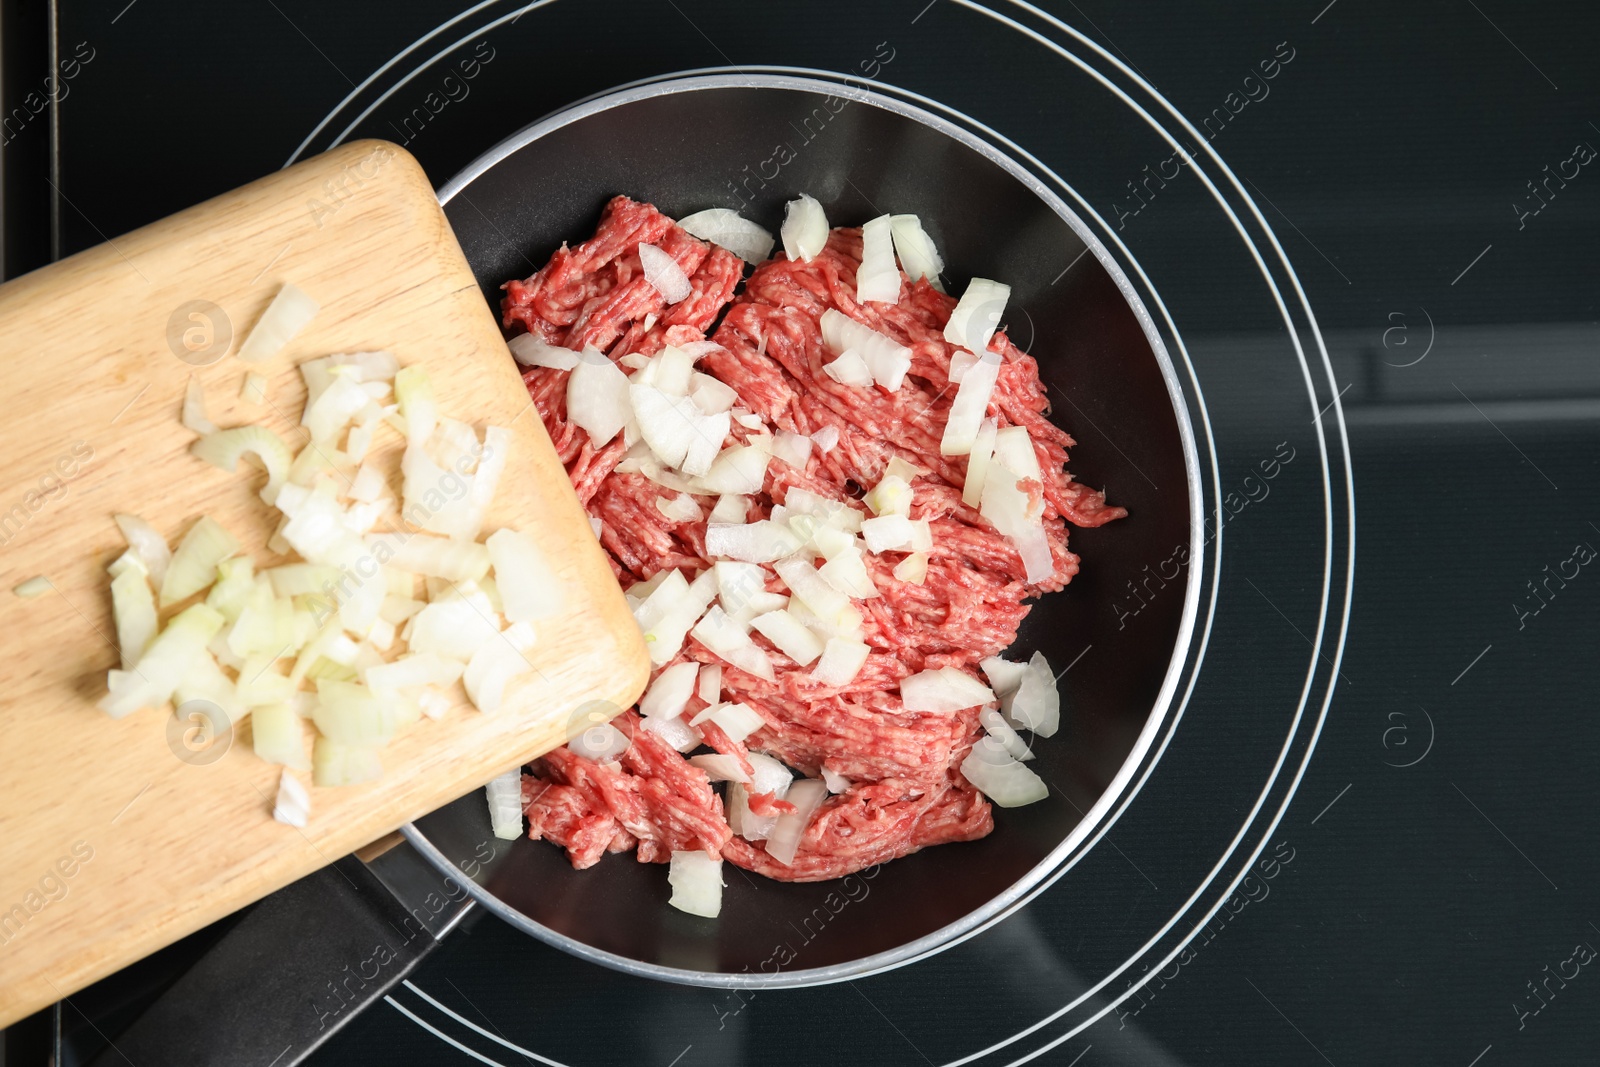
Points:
(1095, 822)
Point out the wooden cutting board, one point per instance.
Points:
(116, 837)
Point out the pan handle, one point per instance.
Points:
(301, 964)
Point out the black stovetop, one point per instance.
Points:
(1430, 891)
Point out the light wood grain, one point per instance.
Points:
(164, 846)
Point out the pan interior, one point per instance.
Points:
(753, 148)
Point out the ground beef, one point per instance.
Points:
(906, 790)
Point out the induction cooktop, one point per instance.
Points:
(1364, 234)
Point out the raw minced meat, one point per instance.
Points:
(906, 791)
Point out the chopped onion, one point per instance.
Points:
(334, 764)
(416, 669)
(206, 683)
(723, 636)
(1035, 704)
(828, 540)
(793, 448)
(450, 558)
(836, 783)
(666, 622)
(1013, 449)
(978, 464)
(352, 714)
(494, 668)
(946, 689)
(333, 410)
(834, 513)
(414, 391)
(597, 398)
(737, 469)
(913, 569)
(434, 703)
(849, 369)
(994, 773)
(236, 582)
(640, 460)
(293, 804)
(286, 316)
(600, 743)
(756, 542)
(731, 509)
(710, 432)
(847, 572)
(710, 395)
(961, 361)
(842, 659)
(803, 580)
(886, 359)
(738, 721)
(996, 726)
(891, 496)
(133, 606)
(970, 406)
(720, 768)
(918, 256)
(504, 794)
(486, 478)
(770, 777)
(529, 589)
(696, 881)
(726, 228)
(382, 634)
(531, 350)
(805, 229)
(278, 737)
(669, 694)
(747, 419)
(260, 683)
(164, 664)
(369, 484)
(648, 607)
(1004, 675)
(374, 367)
(296, 579)
(807, 796)
(709, 687)
(663, 274)
(254, 390)
(737, 583)
(896, 533)
(788, 635)
(358, 441)
(903, 469)
(225, 448)
(675, 732)
(455, 626)
(194, 566)
(757, 603)
(877, 278)
(846, 624)
(826, 438)
(147, 544)
(977, 315)
(194, 408)
(1012, 513)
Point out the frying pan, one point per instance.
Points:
(752, 142)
